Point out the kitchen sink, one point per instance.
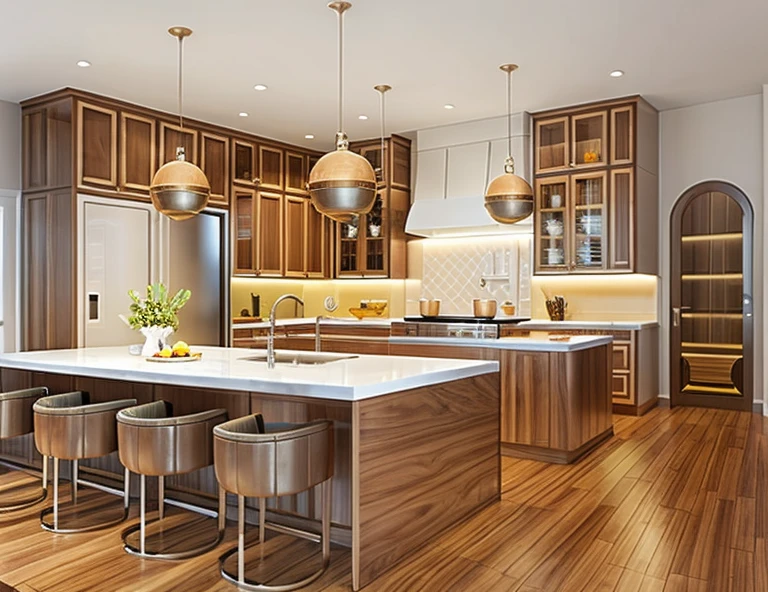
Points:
(301, 358)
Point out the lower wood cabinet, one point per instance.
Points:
(555, 406)
(634, 366)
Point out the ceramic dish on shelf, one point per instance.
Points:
(193, 357)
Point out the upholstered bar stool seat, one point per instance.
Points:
(257, 460)
(16, 420)
(152, 442)
(70, 427)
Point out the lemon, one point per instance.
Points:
(180, 348)
(166, 352)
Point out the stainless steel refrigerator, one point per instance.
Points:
(125, 245)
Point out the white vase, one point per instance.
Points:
(155, 339)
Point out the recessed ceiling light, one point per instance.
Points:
(260, 87)
(84, 64)
(617, 73)
(449, 106)
(362, 117)
(309, 137)
(243, 114)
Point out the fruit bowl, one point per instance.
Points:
(361, 313)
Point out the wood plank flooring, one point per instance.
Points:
(676, 501)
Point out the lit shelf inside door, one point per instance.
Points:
(695, 238)
(712, 276)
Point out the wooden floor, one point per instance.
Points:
(676, 501)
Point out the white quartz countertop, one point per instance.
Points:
(339, 321)
(575, 343)
(547, 325)
(353, 379)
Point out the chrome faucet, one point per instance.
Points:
(271, 337)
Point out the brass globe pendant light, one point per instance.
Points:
(509, 198)
(381, 89)
(342, 184)
(179, 189)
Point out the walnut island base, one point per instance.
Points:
(409, 463)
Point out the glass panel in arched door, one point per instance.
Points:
(711, 298)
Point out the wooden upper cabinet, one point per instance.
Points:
(317, 243)
(295, 236)
(244, 206)
(622, 135)
(47, 146)
(96, 146)
(270, 234)
(214, 162)
(35, 173)
(245, 163)
(171, 137)
(401, 164)
(552, 145)
(271, 169)
(138, 153)
(589, 139)
(622, 229)
(296, 173)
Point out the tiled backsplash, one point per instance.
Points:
(458, 270)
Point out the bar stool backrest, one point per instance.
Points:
(68, 427)
(16, 411)
(287, 459)
(151, 441)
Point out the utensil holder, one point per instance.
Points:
(556, 308)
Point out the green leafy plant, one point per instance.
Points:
(157, 309)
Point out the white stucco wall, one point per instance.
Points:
(714, 141)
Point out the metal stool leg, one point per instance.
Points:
(143, 511)
(262, 518)
(75, 467)
(240, 539)
(55, 493)
(161, 497)
(324, 539)
(54, 525)
(143, 551)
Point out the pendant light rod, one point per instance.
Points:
(509, 68)
(340, 8)
(180, 33)
(382, 88)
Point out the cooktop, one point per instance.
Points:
(467, 319)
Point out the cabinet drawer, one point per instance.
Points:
(621, 356)
(621, 388)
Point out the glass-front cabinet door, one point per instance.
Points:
(374, 233)
(552, 222)
(588, 134)
(588, 221)
(552, 142)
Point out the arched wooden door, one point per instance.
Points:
(711, 298)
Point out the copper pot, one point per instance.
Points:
(484, 308)
(429, 308)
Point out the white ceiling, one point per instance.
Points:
(674, 52)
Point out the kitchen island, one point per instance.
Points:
(416, 439)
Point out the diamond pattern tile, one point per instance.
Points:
(455, 271)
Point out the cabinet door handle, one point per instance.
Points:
(675, 316)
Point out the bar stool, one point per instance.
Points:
(151, 441)
(69, 427)
(254, 460)
(16, 420)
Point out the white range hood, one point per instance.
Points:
(454, 164)
(459, 216)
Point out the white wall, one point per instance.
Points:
(10, 186)
(714, 141)
(764, 228)
(10, 146)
